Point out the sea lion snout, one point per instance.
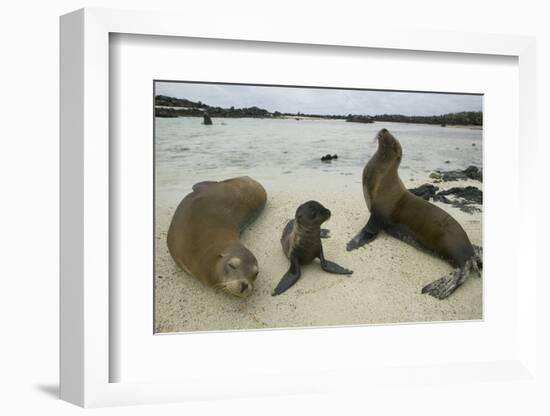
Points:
(241, 288)
(389, 147)
(384, 136)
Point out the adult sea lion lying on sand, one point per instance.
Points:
(413, 219)
(203, 237)
(301, 241)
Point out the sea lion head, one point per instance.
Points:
(311, 213)
(237, 270)
(389, 148)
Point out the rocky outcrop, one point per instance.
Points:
(359, 119)
(466, 198)
(471, 172)
(328, 158)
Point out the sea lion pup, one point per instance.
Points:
(413, 219)
(203, 237)
(301, 241)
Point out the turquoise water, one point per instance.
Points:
(187, 151)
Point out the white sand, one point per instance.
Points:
(384, 288)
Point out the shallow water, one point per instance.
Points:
(189, 152)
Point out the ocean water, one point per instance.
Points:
(187, 151)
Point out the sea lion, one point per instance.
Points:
(203, 237)
(301, 241)
(413, 219)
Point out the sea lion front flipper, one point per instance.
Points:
(198, 186)
(367, 233)
(325, 233)
(290, 277)
(331, 267)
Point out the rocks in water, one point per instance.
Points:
(328, 158)
(207, 121)
(447, 161)
(471, 172)
(465, 197)
(473, 144)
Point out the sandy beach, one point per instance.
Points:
(384, 288)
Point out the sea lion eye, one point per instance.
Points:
(234, 262)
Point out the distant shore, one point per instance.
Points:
(171, 107)
(310, 117)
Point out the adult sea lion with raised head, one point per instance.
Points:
(203, 237)
(413, 219)
(301, 241)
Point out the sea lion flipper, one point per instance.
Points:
(367, 233)
(331, 267)
(479, 257)
(290, 277)
(444, 287)
(325, 233)
(200, 185)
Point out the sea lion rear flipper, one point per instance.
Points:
(442, 288)
(367, 233)
(479, 256)
(331, 267)
(198, 186)
(290, 277)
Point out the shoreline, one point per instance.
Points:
(197, 112)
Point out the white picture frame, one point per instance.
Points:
(85, 219)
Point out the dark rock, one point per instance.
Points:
(447, 161)
(465, 200)
(207, 121)
(425, 191)
(469, 193)
(471, 172)
(328, 157)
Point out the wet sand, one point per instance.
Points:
(384, 288)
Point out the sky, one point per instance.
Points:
(322, 101)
